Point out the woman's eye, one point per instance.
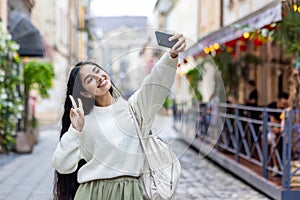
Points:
(90, 79)
(97, 71)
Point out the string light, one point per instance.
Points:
(272, 25)
(295, 7)
(216, 46)
(206, 50)
(246, 35)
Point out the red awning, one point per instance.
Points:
(265, 16)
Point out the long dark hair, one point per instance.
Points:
(65, 185)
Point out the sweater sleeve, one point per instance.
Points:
(148, 99)
(67, 153)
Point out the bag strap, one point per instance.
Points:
(138, 130)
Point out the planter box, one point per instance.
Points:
(35, 133)
(24, 142)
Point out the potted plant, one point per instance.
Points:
(37, 76)
(167, 105)
(194, 77)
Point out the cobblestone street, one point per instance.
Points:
(201, 179)
(30, 176)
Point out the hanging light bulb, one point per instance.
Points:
(246, 35)
(206, 50)
(216, 46)
(295, 7)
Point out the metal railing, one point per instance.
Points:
(246, 132)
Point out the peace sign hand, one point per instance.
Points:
(77, 115)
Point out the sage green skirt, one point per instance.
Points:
(120, 188)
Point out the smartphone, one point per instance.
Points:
(163, 39)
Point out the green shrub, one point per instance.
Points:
(10, 99)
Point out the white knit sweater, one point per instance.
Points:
(108, 142)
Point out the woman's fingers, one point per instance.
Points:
(180, 38)
(73, 112)
(73, 101)
(180, 43)
(80, 109)
(77, 110)
(77, 114)
(182, 47)
(176, 36)
(80, 103)
(179, 46)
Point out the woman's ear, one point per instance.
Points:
(86, 94)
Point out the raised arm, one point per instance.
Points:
(148, 99)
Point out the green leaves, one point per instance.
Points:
(39, 76)
(36, 75)
(194, 77)
(9, 96)
(288, 30)
(229, 71)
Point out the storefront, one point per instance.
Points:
(248, 37)
(240, 147)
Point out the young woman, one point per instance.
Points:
(99, 155)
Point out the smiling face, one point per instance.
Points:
(95, 81)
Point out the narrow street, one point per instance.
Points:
(30, 176)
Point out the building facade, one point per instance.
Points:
(270, 77)
(63, 28)
(223, 23)
(119, 46)
(203, 17)
(3, 13)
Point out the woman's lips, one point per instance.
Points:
(102, 83)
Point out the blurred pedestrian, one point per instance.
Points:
(252, 99)
(253, 94)
(32, 103)
(99, 155)
(275, 137)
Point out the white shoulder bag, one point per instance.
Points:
(161, 170)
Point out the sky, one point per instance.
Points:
(122, 7)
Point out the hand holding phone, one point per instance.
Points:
(163, 39)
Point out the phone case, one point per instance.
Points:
(163, 39)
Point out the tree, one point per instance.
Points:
(288, 36)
